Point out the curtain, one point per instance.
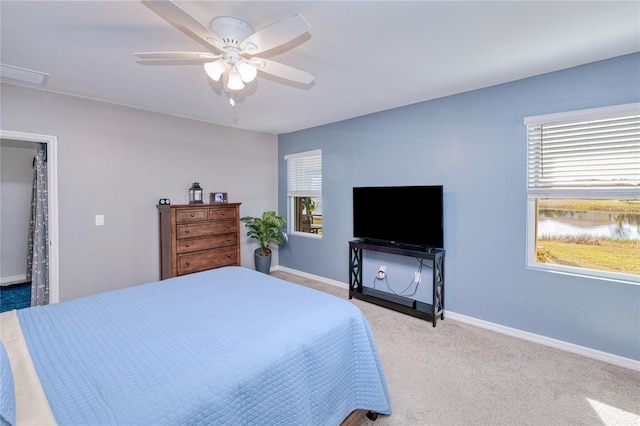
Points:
(38, 246)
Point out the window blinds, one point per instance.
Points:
(592, 153)
(304, 174)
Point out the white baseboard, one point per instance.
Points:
(536, 338)
(13, 280)
(547, 341)
(311, 276)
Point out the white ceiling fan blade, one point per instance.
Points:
(181, 19)
(178, 56)
(276, 34)
(284, 71)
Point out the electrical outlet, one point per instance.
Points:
(99, 220)
(383, 269)
(382, 272)
(417, 277)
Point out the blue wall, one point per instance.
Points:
(474, 144)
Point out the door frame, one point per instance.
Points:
(52, 176)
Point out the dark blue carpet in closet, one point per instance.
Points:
(15, 296)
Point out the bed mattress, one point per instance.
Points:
(226, 346)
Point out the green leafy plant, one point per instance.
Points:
(309, 206)
(266, 229)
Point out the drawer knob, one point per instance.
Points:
(228, 255)
(222, 213)
(228, 226)
(186, 231)
(188, 263)
(193, 215)
(186, 245)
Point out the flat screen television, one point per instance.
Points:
(399, 215)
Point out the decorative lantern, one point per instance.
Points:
(195, 194)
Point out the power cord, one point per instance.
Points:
(383, 275)
(419, 273)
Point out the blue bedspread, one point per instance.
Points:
(226, 346)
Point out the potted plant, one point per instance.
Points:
(266, 230)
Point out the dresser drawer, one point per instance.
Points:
(205, 229)
(188, 245)
(222, 214)
(208, 259)
(192, 215)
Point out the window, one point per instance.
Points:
(583, 192)
(304, 190)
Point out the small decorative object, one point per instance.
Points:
(195, 194)
(265, 229)
(164, 202)
(218, 197)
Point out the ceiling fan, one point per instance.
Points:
(233, 44)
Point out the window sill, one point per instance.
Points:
(586, 273)
(306, 235)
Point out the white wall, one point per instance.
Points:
(117, 162)
(16, 176)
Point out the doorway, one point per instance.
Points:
(52, 176)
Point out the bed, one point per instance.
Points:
(225, 346)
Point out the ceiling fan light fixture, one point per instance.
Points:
(215, 69)
(235, 80)
(247, 71)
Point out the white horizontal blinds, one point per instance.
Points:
(304, 174)
(585, 157)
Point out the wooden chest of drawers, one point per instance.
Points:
(198, 237)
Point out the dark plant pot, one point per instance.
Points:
(263, 263)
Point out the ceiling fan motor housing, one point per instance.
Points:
(232, 31)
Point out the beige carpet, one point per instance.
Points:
(458, 374)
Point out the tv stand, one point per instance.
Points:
(398, 303)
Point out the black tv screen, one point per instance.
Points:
(401, 215)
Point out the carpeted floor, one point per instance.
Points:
(459, 374)
(15, 296)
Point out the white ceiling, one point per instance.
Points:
(367, 56)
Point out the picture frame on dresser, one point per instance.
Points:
(218, 197)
